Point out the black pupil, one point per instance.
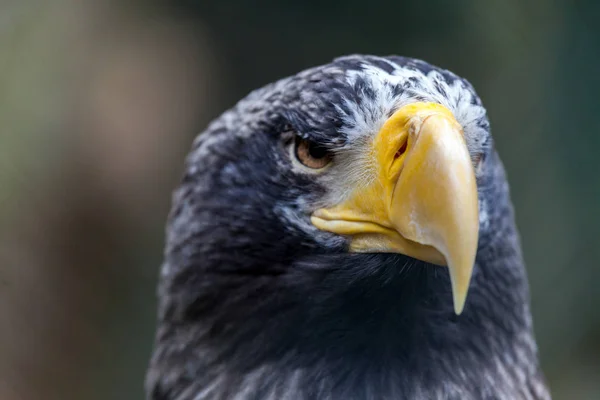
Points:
(317, 151)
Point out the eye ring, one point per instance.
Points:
(311, 155)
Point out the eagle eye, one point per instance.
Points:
(311, 154)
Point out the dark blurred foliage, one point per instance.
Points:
(100, 100)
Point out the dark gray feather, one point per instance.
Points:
(253, 306)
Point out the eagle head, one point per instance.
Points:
(324, 238)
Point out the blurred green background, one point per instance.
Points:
(100, 100)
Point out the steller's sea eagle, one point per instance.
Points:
(323, 241)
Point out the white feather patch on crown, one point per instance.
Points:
(362, 121)
(367, 117)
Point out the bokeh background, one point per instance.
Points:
(99, 103)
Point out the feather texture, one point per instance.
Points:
(256, 303)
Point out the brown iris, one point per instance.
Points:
(311, 154)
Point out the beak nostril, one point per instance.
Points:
(401, 150)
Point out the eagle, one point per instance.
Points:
(346, 233)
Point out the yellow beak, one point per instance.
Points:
(422, 201)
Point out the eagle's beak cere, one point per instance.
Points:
(422, 201)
